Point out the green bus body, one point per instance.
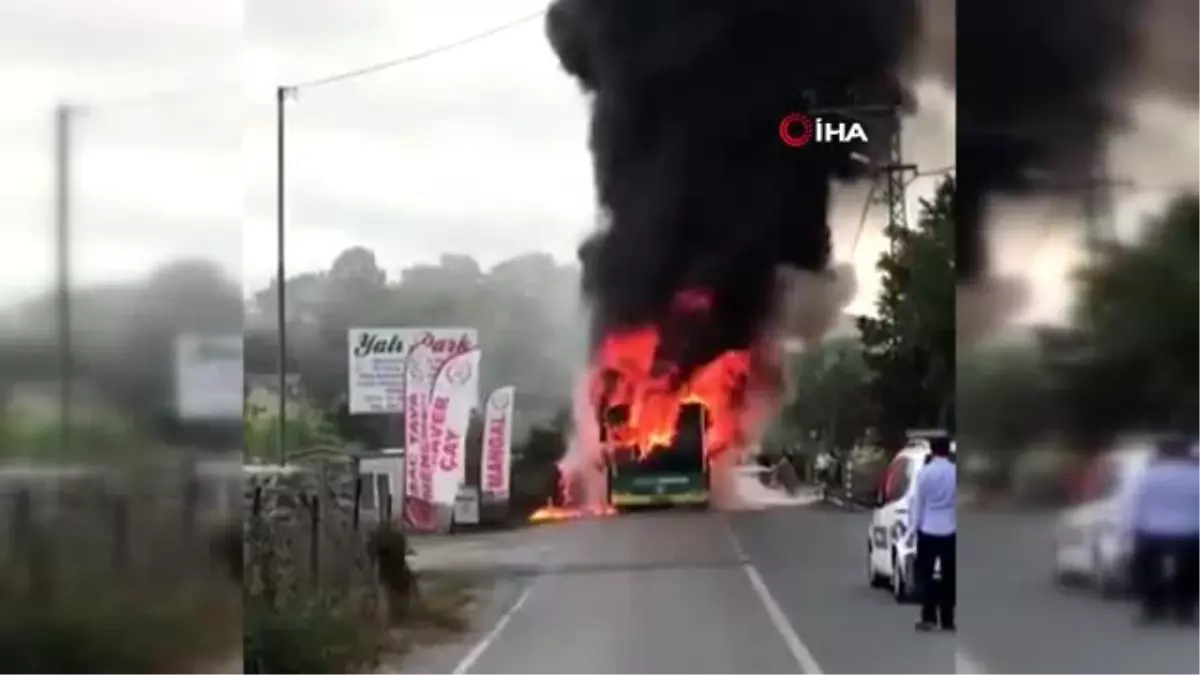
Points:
(669, 476)
(659, 490)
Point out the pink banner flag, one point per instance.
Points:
(454, 392)
(497, 443)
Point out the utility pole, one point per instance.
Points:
(64, 117)
(1095, 191)
(896, 175)
(281, 95)
(895, 172)
(1097, 206)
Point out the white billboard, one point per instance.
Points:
(378, 359)
(209, 377)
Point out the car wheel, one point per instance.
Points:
(1061, 576)
(1103, 578)
(875, 579)
(901, 588)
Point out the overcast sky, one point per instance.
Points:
(478, 150)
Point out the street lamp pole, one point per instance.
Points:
(281, 94)
(64, 117)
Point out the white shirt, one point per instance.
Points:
(1166, 501)
(932, 509)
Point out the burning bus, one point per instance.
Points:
(674, 474)
(711, 228)
(651, 426)
(662, 419)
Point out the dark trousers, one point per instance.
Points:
(937, 597)
(1155, 591)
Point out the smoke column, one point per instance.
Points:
(695, 186)
(1039, 88)
(1167, 61)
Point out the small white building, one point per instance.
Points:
(383, 477)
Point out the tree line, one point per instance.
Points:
(1127, 359)
(525, 309)
(898, 372)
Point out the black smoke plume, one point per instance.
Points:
(697, 189)
(1040, 85)
(1169, 37)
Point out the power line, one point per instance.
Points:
(433, 51)
(168, 96)
(1128, 185)
(935, 172)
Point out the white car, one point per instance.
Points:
(890, 556)
(1091, 542)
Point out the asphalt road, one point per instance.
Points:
(1015, 620)
(784, 591)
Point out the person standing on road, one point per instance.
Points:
(824, 469)
(933, 523)
(1164, 519)
(785, 474)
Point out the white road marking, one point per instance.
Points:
(965, 664)
(736, 543)
(799, 651)
(804, 657)
(487, 640)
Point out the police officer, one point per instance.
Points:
(1164, 514)
(932, 521)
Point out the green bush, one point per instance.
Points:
(109, 632)
(389, 547)
(330, 635)
(304, 427)
(310, 636)
(40, 438)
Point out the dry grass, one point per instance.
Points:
(441, 613)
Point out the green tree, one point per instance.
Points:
(123, 339)
(1133, 363)
(355, 294)
(305, 428)
(526, 310)
(1003, 400)
(829, 398)
(909, 345)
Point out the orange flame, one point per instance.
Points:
(551, 513)
(654, 405)
(655, 401)
(624, 372)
